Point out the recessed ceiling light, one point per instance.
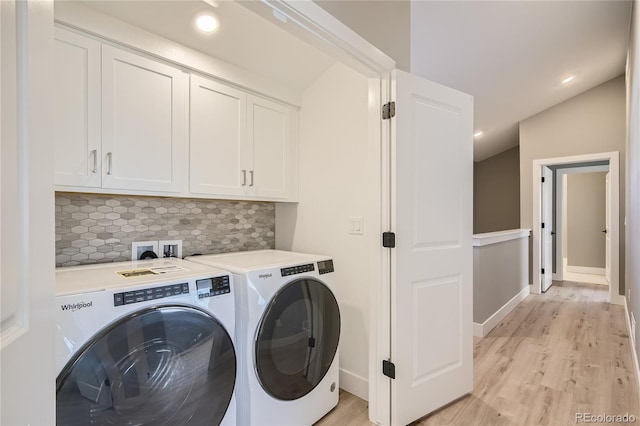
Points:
(207, 23)
(568, 79)
(478, 134)
(280, 16)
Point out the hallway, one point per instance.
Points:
(556, 355)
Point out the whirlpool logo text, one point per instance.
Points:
(76, 306)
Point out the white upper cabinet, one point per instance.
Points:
(144, 122)
(130, 123)
(218, 138)
(77, 115)
(240, 145)
(269, 141)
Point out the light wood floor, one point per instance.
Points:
(557, 354)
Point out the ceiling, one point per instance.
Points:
(512, 55)
(244, 39)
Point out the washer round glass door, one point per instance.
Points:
(297, 339)
(170, 365)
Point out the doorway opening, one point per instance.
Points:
(545, 233)
(582, 242)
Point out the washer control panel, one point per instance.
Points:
(151, 293)
(300, 269)
(325, 266)
(214, 286)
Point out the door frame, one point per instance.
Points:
(546, 217)
(614, 168)
(561, 211)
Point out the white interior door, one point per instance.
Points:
(27, 370)
(432, 271)
(547, 228)
(607, 229)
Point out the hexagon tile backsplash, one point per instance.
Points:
(94, 228)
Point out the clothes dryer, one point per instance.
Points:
(145, 343)
(288, 330)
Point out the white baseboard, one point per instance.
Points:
(354, 384)
(586, 270)
(481, 330)
(585, 278)
(618, 299)
(632, 343)
(477, 330)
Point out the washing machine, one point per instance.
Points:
(288, 330)
(145, 343)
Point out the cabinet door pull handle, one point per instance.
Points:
(244, 178)
(251, 175)
(110, 162)
(94, 154)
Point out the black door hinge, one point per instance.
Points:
(543, 271)
(542, 179)
(388, 110)
(542, 225)
(388, 239)
(388, 368)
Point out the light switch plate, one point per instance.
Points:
(356, 225)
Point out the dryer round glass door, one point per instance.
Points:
(297, 339)
(169, 365)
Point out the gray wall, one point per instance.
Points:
(586, 205)
(496, 192)
(385, 24)
(100, 228)
(632, 177)
(589, 123)
(500, 272)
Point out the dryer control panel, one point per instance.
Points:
(214, 286)
(325, 266)
(293, 270)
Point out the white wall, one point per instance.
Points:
(633, 166)
(339, 178)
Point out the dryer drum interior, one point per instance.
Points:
(297, 339)
(164, 365)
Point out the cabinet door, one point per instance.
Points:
(217, 139)
(76, 134)
(144, 118)
(269, 128)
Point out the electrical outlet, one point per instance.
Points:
(170, 248)
(140, 247)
